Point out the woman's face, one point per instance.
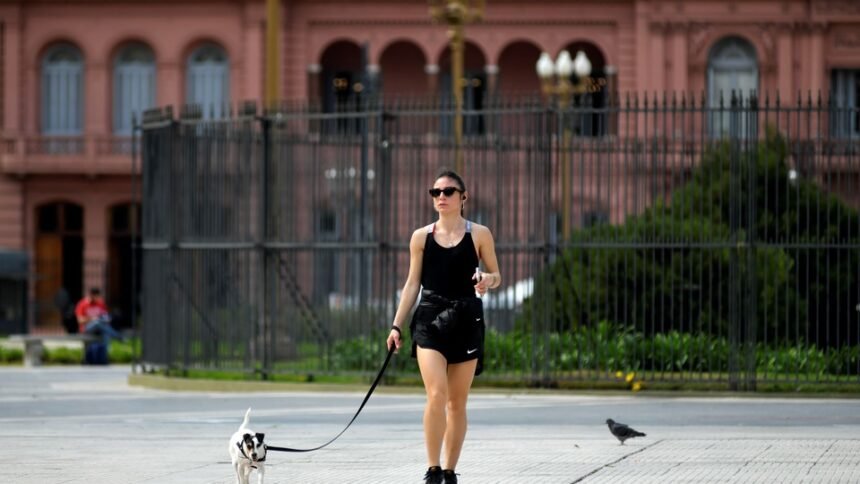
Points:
(448, 203)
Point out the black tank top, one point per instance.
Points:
(449, 271)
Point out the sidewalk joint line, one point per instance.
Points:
(809, 471)
(604, 466)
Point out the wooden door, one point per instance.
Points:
(49, 279)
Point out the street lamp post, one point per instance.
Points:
(273, 27)
(456, 14)
(555, 83)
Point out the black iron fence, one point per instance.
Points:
(664, 239)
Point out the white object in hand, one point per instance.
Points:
(477, 280)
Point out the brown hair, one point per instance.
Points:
(454, 176)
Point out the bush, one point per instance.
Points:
(11, 355)
(737, 237)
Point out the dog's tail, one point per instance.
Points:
(247, 418)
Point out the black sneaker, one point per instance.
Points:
(434, 475)
(450, 476)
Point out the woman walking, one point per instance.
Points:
(448, 326)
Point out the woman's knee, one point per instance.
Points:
(437, 397)
(457, 403)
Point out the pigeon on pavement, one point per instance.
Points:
(621, 431)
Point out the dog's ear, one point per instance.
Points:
(248, 439)
(260, 437)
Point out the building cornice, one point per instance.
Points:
(836, 7)
(317, 22)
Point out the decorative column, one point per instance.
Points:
(678, 36)
(313, 76)
(611, 73)
(374, 85)
(785, 64)
(95, 237)
(492, 72)
(96, 121)
(252, 64)
(657, 58)
(816, 58)
(11, 78)
(432, 71)
(171, 89)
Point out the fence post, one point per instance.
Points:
(136, 128)
(264, 310)
(751, 292)
(735, 290)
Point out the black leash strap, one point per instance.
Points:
(366, 398)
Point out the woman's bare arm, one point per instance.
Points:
(486, 247)
(412, 286)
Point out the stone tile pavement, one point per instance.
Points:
(87, 425)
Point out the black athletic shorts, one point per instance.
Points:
(464, 341)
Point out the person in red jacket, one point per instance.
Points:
(93, 316)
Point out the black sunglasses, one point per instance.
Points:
(448, 191)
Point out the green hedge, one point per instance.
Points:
(119, 353)
(609, 348)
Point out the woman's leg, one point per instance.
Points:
(433, 372)
(460, 378)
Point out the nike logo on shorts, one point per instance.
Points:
(469, 352)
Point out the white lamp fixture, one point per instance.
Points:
(556, 76)
(564, 65)
(581, 65)
(544, 66)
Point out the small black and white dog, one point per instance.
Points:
(247, 452)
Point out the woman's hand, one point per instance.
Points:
(394, 339)
(484, 282)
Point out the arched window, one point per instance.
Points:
(732, 67)
(209, 80)
(342, 85)
(133, 85)
(845, 95)
(62, 99)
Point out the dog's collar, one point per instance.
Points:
(242, 450)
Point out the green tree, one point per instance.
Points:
(740, 223)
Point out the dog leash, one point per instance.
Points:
(360, 408)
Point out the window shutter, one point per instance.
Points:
(62, 92)
(134, 86)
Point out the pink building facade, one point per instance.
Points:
(73, 73)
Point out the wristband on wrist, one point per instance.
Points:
(397, 328)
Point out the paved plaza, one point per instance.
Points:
(87, 425)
